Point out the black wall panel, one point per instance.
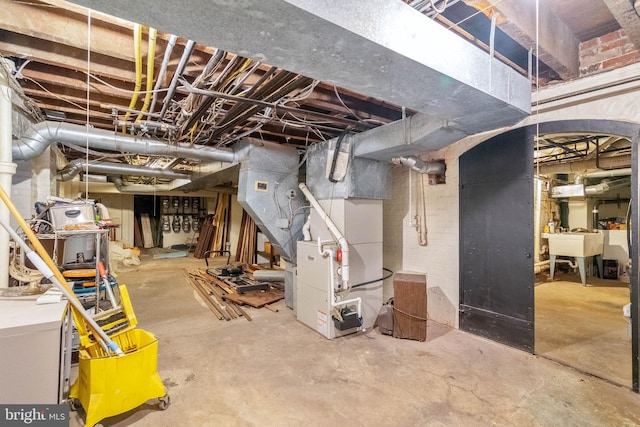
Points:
(496, 239)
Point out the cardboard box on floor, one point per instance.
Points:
(410, 306)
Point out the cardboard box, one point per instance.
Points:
(410, 306)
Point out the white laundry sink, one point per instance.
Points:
(575, 244)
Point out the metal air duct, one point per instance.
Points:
(144, 188)
(417, 165)
(602, 174)
(606, 185)
(76, 166)
(43, 134)
(268, 191)
(379, 48)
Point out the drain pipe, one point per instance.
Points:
(344, 246)
(7, 170)
(541, 266)
(43, 134)
(332, 287)
(76, 166)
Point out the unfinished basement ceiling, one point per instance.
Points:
(219, 96)
(554, 148)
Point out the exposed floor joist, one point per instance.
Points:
(557, 45)
(628, 18)
(331, 44)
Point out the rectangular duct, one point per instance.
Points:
(381, 48)
(268, 191)
(365, 178)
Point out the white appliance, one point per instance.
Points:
(36, 352)
(360, 221)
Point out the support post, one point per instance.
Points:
(7, 170)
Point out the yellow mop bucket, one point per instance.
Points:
(109, 385)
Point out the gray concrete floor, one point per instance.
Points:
(274, 371)
(583, 326)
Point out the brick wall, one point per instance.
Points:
(607, 52)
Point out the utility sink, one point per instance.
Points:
(579, 245)
(575, 244)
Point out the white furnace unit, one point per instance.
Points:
(322, 302)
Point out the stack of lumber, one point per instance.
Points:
(147, 234)
(214, 232)
(224, 301)
(246, 249)
(207, 230)
(221, 221)
(213, 295)
(137, 234)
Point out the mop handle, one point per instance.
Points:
(38, 260)
(107, 285)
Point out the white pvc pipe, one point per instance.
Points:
(306, 230)
(332, 288)
(7, 170)
(344, 246)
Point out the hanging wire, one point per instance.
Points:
(119, 89)
(537, 117)
(86, 163)
(489, 6)
(55, 95)
(434, 8)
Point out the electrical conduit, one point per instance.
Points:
(151, 55)
(137, 47)
(163, 70)
(174, 81)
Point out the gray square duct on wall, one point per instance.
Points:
(268, 173)
(365, 178)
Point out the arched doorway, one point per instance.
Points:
(496, 255)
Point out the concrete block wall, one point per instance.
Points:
(439, 259)
(607, 52)
(120, 207)
(33, 182)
